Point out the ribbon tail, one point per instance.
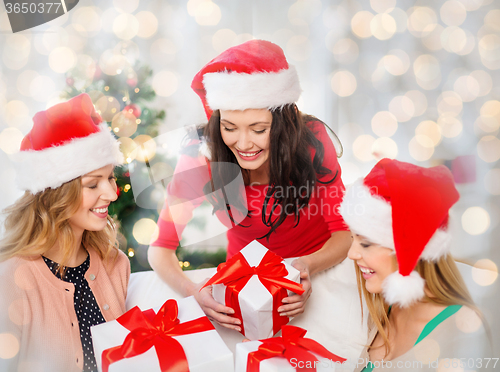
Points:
(171, 356)
(110, 356)
(278, 320)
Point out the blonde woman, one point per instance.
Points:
(422, 317)
(60, 270)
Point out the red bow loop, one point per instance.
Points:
(157, 331)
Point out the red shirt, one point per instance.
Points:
(317, 222)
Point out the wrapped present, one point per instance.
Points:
(253, 283)
(289, 353)
(179, 337)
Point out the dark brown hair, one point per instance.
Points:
(290, 164)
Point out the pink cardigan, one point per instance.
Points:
(38, 323)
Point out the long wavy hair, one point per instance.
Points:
(442, 280)
(290, 164)
(34, 224)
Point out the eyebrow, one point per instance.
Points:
(251, 125)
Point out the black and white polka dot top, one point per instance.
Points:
(86, 308)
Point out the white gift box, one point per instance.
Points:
(276, 364)
(205, 351)
(256, 303)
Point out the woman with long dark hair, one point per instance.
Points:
(291, 178)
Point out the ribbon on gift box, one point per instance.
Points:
(236, 272)
(148, 329)
(291, 345)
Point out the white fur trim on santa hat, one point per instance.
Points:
(51, 167)
(371, 216)
(240, 91)
(403, 290)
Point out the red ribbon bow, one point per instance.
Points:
(291, 345)
(148, 329)
(236, 272)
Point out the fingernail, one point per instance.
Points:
(280, 309)
(282, 314)
(231, 311)
(238, 329)
(238, 321)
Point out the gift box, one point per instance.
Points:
(178, 337)
(253, 283)
(289, 353)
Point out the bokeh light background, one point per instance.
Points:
(417, 81)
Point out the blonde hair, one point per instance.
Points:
(34, 224)
(442, 280)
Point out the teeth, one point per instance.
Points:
(252, 154)
(367, 271)
(100, 210)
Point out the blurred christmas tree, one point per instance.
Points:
(122, 97)
(122, 100)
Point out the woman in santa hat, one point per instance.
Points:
(60, 269)
(291, 176)
(421, 315)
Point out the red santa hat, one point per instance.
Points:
(252, 75)
(403, 207)
(66, 142)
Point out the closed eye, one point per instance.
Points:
(229, 130)
(260, 131)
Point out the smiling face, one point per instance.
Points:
(374, 261)
(246, 133)
(98, 191)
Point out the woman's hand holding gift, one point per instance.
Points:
(295, 305)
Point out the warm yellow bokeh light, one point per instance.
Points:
(124, 124)
(421, 148)
(127, 147)
(432, 40)
(484, 80)
(492, 181)
(429, 129)
(112, 62)
(467, 319)
(145, 231)
(396, 62)
(15, 112)
(467, 88)
(148, 24)
(384, 147)
(206, 13)
(24, 81)
(402, 108)
(146, 148)
(87, 20)
(421, 21)
(62, 59)
(107, 107)
(125, 26)
(362, 147)
(489, 50)
(485, 272)
(488, 149)
(10, 140)
(345, 51)
(475, 220)
(427, 71)
(486, 125)
(453, 13)
(41, 88)
(449, 103)
(450, 125)
(343, 83)
(165, 83)
(383, 26)
(9, 345)
(384, 124)
(383, 6)
(419, 102)
(128, 6)
(360, 24)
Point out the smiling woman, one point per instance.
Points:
(291, 177)
(60, 269)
